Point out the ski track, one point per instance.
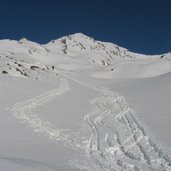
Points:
(24, 112)
(118, 140)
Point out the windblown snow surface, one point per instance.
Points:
(80, 104)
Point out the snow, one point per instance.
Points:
(101, 107)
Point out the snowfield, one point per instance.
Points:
(80, 104)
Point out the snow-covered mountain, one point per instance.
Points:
(73, 52)
(80, 104)
(80, 44)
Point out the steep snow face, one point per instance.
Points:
(81, 45)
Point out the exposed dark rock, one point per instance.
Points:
(4, 72)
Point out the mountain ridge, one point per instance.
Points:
(79, 35)
(76, 52)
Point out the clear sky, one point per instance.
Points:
(142, 26)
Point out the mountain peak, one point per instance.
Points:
(23, 39)
(79, 35)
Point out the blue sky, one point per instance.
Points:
(142, 26)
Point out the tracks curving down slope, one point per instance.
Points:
(119, 141)
(23, 111)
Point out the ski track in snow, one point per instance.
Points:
(24, 112)
(118, 140)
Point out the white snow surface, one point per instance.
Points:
(80, 104)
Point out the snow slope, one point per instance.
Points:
(81, 104)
